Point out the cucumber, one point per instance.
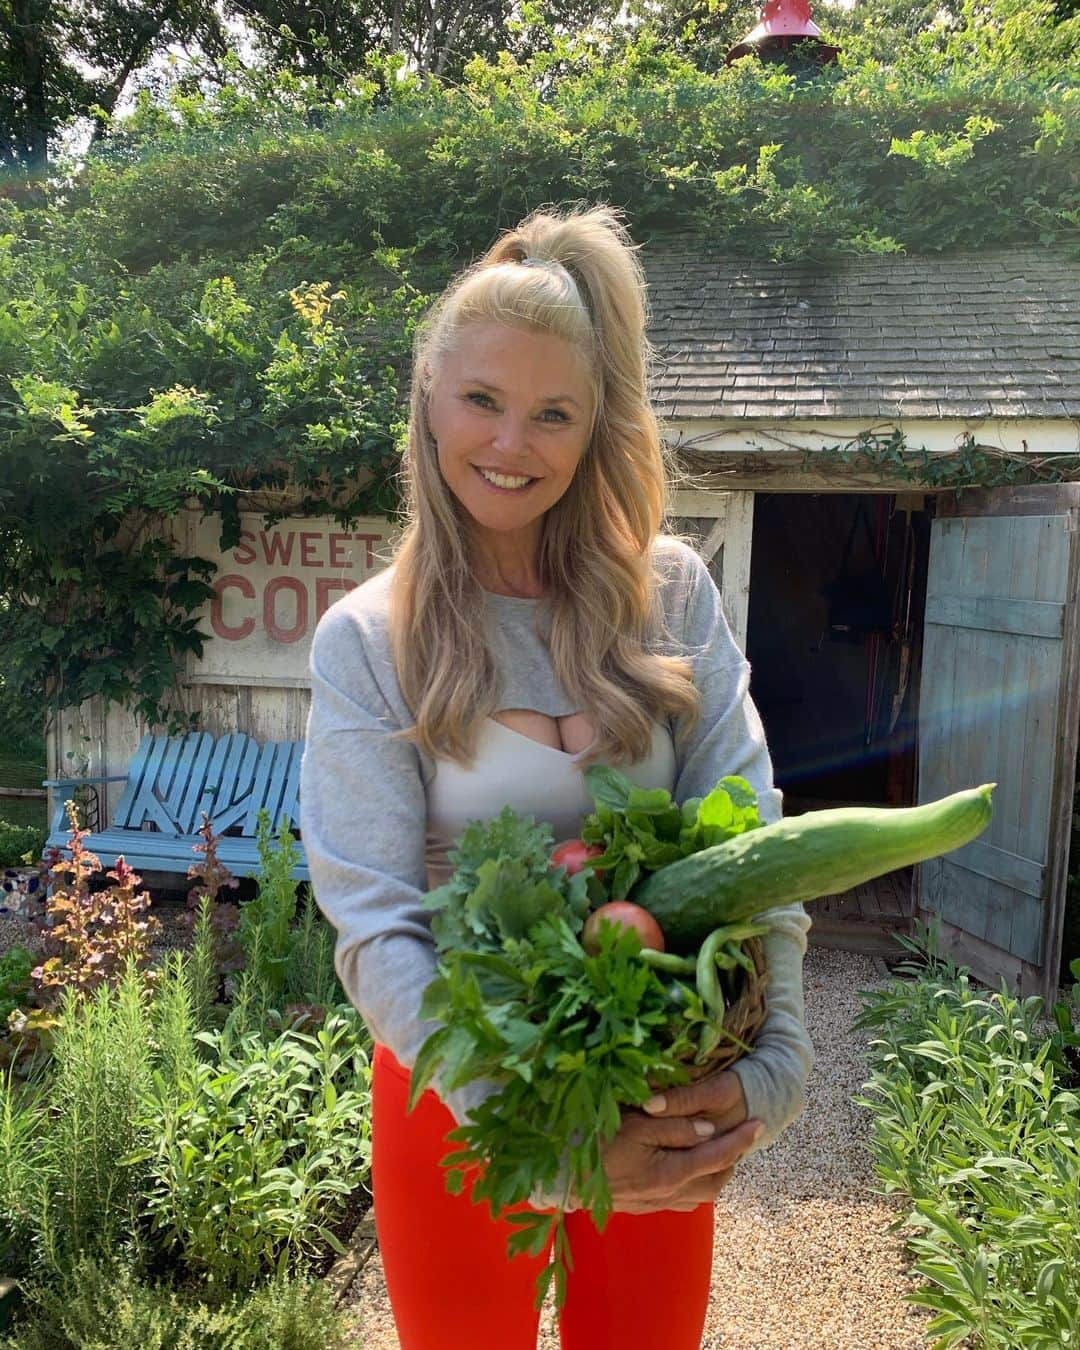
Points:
(803, 858)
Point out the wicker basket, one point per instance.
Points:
(743, 1017)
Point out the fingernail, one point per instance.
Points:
(655, 1104)
(705, 1128)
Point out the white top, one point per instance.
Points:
(534, 779)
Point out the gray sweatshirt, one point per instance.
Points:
(363, 810)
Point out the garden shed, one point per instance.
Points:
(906, 640)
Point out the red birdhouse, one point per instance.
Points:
(785, 32)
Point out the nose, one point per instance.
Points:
(511, 435)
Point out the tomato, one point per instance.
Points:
(573, 854)
(627, 915)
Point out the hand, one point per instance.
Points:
(718, 1098)
(654, 1164)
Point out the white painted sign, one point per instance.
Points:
(272, 588)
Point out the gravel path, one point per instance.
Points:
(803, 1258)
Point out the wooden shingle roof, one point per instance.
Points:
(995, 333)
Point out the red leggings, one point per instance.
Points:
(642, 1284)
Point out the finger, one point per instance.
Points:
(714, 1155)
(701, 1191)
(678, 1132)
(713, 1095)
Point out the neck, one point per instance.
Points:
(509, 564)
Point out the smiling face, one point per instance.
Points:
(511, 412)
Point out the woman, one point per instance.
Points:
(533, 622)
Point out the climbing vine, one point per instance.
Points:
(969, 465)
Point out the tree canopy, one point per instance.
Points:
(222, 297)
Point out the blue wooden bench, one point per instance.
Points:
(171, 781)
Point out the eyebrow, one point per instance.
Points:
(494, 388)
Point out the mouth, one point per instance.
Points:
(503, 482)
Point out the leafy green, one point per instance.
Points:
(643, 829)
(503, 883)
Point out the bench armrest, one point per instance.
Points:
(81, 782)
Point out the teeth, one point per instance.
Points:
(501, 480)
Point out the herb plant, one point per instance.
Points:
(253, 1157)
(15, 967)
(971, 1122)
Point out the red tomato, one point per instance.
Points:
(627, 915)
(573, 854)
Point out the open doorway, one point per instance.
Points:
(835, 655)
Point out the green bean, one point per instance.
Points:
(740, 932)
(669, 962)
(708, 981)
(739, 957)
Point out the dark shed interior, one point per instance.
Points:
(837, 591)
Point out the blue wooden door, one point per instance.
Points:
(999, 702)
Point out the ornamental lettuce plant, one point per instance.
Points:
(93, 934)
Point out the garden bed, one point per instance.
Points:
(184, 1113)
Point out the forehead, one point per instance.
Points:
(511, 359)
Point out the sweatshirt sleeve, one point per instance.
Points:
(363, 819)
(728, 738)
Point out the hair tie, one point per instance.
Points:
(538, 262)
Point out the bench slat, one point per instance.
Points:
(190, 783)
(285, 763)
(126, 805)
(224, 769)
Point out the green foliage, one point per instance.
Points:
(222, 299)
(201, 967)
(104, 1304)
(969, 465)
(642, 830)
(973, 1125)
(15, 967)
(265, 921)
(21, 1178)
(310, 977)
(20, 845)
(252, 1158)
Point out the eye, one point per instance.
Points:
(481, 399)
(557, 414)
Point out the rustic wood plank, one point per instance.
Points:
(1067, 743)
(1039, 618)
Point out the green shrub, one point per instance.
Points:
(253, 1160)
(20, 845)
(972, 1124)
(69, 1187)
(310, 977)
(101, 1305)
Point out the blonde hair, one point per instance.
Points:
(596, 549)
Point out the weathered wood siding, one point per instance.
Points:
(996, 675)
